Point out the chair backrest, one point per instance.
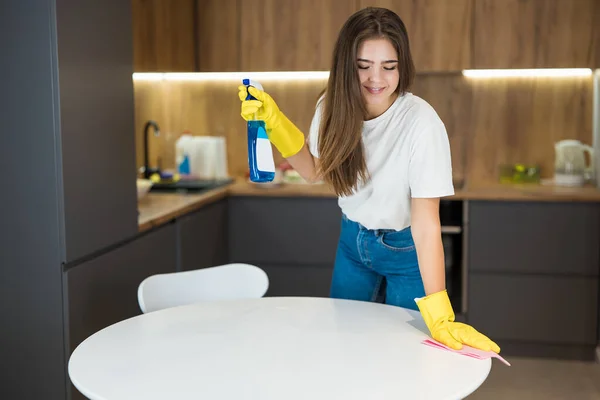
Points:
(223, 282)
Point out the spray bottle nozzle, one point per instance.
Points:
(249, 82)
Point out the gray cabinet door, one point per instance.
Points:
(67, 139)
(96, 124)
(534, 237)
(541, 309)
(293, 240)
(281, 230)
(31, 333)
(103, 291)
(298, 280)
(203, 237)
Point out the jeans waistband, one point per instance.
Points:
(361, 227)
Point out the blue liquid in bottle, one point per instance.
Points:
(260, 153)
(261, 168)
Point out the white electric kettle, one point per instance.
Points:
(570, 166)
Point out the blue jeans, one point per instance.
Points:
(376, 265)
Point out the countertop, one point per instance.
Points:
(158, 208)
(527, 192)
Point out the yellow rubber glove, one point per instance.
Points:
(284, 135)
(439, 318)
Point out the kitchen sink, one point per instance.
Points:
(190, 186)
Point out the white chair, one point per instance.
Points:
(223, 282)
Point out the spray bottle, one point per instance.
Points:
(260, 153)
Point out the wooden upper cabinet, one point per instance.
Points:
(218, 27)
(293, 35)
(439, 31)
(537, 33)
(164, 35)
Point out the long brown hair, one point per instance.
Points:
(341, 153)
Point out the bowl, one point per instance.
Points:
(143, 187)
(519, 173)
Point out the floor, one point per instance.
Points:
(537, 379)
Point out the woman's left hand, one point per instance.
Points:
(439, 318)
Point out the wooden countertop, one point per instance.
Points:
(528, 192)
(158, 208)
(491, 191)
(244, 188)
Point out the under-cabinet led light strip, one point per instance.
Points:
(534, 72)
(321, 75)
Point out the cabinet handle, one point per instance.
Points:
(451, 229)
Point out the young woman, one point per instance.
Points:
(386, 154)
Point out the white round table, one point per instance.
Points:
(273, 348)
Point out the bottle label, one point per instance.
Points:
(264, 152)
(184, 165)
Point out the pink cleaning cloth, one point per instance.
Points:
(466, 350)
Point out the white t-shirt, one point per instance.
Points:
(407, 154)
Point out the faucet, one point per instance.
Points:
(147, 171)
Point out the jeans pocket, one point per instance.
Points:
(400, 241)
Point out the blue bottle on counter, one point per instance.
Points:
(260, 153)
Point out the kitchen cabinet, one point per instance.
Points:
(535, 238)
(219, 28)
(164, 35)
(533, 276)
(439, 31)
(95, 121)
(297, 280)
(186, 35)
(103, 290)
(212, 36)
(540, 309)
(67, 119)
(203, 237)
(536, 34)
(293, 239)
(296, 36)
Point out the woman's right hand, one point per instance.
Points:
(284, 135)
(263, 108)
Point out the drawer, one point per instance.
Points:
(298, 280)
(287, 231)
(534, 237)
(545, 309)
(203, 237)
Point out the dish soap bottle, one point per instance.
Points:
(260, 153)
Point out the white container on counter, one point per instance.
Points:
(205, 155)
(221, 171)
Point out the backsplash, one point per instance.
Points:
(489, 121)
(213, 109)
